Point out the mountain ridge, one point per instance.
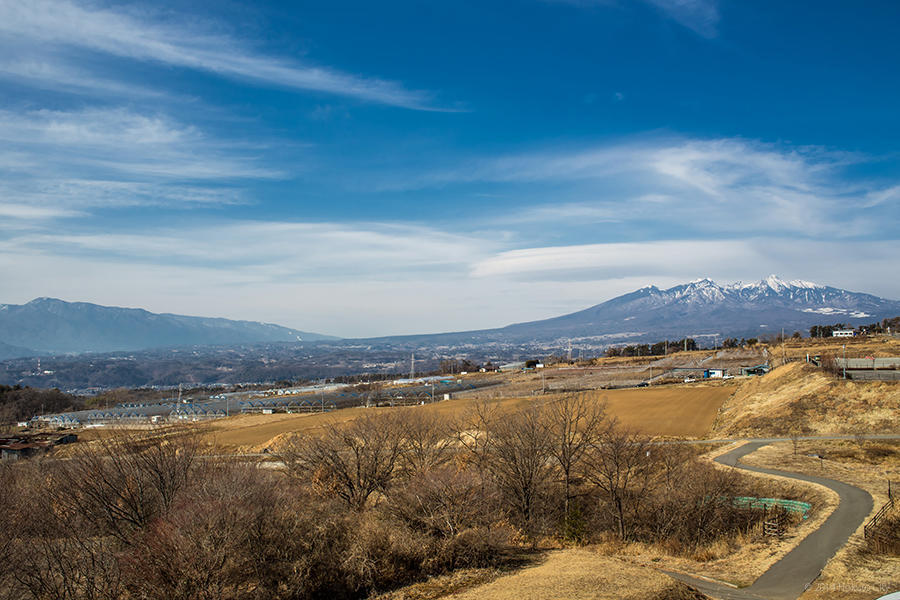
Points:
(698, 308)
(51, 325)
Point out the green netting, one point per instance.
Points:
(794, 506)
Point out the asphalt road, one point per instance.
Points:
(790, 576)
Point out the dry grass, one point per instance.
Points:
(854, 573)
(576, 574)
(802, 397)
(442, 585)
(665, 411)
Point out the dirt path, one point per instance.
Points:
(788, 578)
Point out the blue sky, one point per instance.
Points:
(362, 168)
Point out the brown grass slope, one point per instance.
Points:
(802, 398)
(579, 574)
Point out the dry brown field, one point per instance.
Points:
(682, 411)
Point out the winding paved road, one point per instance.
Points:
(790, 576)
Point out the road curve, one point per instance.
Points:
(790, 576)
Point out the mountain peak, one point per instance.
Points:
(46, 300)
(775, 283)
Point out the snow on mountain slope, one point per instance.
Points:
(704, 307)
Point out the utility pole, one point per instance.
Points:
(782, 346)
(412, 365)
(844, 347)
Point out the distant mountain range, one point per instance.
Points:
(699, 308)
(51, 326)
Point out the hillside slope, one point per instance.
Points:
(802, 398)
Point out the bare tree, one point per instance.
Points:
(442, 502)
(122, 483)
(350, 460)
(572, 423)
(427, 440)
(473, 435)
(55, 553)
(518, 449)
(621, 468)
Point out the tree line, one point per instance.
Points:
(886, 325)
(18, 403)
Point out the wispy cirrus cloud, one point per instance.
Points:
(722, 186)
(700, 16)
(40, 32)
(61, 162)
(56, 74)
(267, 249)
(674, 261)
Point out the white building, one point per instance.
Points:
(842, 333)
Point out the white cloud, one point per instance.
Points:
(718, 186)
(609, 261)
(58, 74)
(29, 212)
(50, 26)
(260, 251)
(60, 162)
(851, 265)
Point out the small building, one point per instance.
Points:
(17, 450)
(714, 373)
(842, 333)
(516, 366)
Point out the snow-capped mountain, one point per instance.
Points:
(705, 307)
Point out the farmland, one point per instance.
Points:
(683, 410)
